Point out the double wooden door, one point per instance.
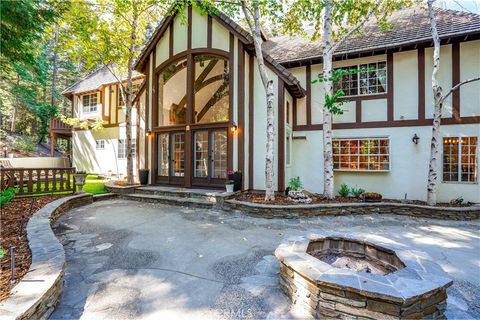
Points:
(208, 162)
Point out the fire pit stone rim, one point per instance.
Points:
(293, 253)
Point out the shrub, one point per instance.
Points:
(6, 196)
(357, 192)
(295, 184)
(26, 144)
(2, 252)
(344, 190)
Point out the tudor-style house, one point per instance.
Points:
(98, 96)
(202, 107)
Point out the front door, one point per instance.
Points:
(209, 157)
(171, 157)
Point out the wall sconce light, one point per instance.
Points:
(148, 133)
(233, 127)
(415, 138)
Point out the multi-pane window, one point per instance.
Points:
(363, 154)
(460, 159)
(89, 102)
(134, 148)
(122, 148)
(363, 79)
(100, 144)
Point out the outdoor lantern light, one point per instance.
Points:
(415, 138)
(233, 128)
(148, 133)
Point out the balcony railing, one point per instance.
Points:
(58, 125)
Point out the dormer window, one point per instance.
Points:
(89, 103)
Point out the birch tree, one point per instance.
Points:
(438, 99)
(334, 22)
(113, 38)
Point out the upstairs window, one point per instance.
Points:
(364, 154)
(460, 159)
(89, 102)
(363, 79)
(100, 144)
(122, 148)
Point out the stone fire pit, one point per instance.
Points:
(337, 276)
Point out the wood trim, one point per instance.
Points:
(250, 121)
(209, 31)
(390, 87)
(308, 85)
(184, 55)
(231, 89)
(189, 31)
(421, 83)
(170, 46)
(281, 136)
(241, 110)
(358, 111)
(154, 95)
(117, 102)
(456, 79)
(294, 113)
(392, 124)
(147, 119)
(102, 101)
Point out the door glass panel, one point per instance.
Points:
(219, 154)
(172, 98)
(211, 89)
(178, 154)
(163, 154)
(201, 154)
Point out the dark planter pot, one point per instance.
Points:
(143, 176)
(237, 180)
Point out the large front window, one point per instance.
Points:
(460, 159)
(365, 154)
(211, 87)
(172, 94)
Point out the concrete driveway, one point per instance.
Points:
(131, 260)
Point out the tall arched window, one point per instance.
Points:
(211, 89)
(172, 94)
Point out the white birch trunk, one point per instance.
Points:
(328, 182)
(268, 85)
(437, 115)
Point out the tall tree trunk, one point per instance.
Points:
(13, 125)
(268, 85)
(328, 182)
(437, 115)
(53, 100)
(129, 98)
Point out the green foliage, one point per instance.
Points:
(356, 192)
(26, 143)
(229, 182)
(295, 184)
(44, 112)
(344, 190)
(95, 185)
(6, 196)
(2, 252)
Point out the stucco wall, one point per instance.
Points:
(409, 163)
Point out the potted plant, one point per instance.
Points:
(236, 176)
(143, 176)
(371, 197)
(79, 177)
(229, 185)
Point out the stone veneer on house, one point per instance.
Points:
(37, 293)
(416, 290)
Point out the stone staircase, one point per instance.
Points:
(192, 198)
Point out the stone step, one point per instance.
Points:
(208, 195)
(185, 202)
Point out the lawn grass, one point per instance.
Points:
(93, 185)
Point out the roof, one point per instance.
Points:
(409, 26)
(94, 81)
(290, 80)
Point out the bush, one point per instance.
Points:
(357, 192)
(344, 190)
(295, 184)
(6, 196)
(26, 144)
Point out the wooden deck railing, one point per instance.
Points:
(38, 180)
(57, 124)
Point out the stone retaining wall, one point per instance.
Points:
(111, 187)
(37, 293)
(306, 210)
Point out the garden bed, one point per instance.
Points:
(13, 223)
(281, 199)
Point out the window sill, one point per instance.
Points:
(460, 182)
(354, 170)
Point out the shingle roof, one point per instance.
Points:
(409, 26)
(94, 80)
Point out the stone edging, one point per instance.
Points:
(337, 209)
(120, 189)
(37, 293)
